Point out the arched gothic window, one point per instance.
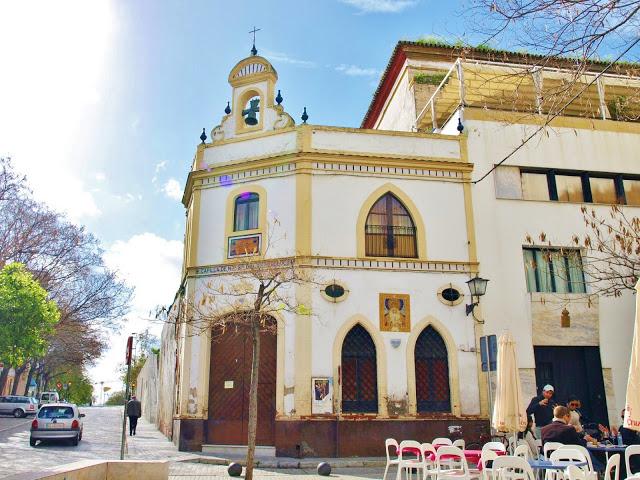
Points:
(246, 208)
(432, 373)
(389, 230)
(359, 372)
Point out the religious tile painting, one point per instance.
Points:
(395, 312)
(244, 246)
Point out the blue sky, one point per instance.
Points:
(103, 103)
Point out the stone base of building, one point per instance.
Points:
(359, 437)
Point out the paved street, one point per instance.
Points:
(101, 440)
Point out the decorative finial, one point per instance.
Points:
(203, 137)
(227, 109)
(254, 50)
(279, 98)
(460, 126)
(304, 116)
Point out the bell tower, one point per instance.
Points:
(254, 108)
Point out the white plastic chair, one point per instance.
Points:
(497, 446)
(614, 462)
(390, 442)
(566, 455)
(584, 452)
(461, 470)
(550, 447)
(441, 441)
(522, 451)
(485, 456)
(428, 454)
(513, 468)
(575, 473)
(459, 443)
(407, 464)
(628, 453)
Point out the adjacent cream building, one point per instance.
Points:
(389, 220)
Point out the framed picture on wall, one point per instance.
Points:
(244, 245)
(395, 313)
(321, 395)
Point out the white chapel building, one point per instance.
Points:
(389, 221)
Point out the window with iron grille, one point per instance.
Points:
(246, 212)
(359, 372)
(389, 230)
(432, 373)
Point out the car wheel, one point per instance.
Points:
(80, 436)
(32, 442)
(74, 442)
(18, 413)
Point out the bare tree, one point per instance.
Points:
(68, 262)
(610, 251)
(560, 28)
(246, 300)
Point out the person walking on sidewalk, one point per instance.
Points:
(134, 411)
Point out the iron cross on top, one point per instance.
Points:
(254, 51)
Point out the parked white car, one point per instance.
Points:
(57, 421)
(18, 405)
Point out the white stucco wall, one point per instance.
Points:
(440, 205)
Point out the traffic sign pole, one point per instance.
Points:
(126, 397)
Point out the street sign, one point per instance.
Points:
(59, 385)
(129, 348)
(489, 353)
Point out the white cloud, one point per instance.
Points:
(152, 265)
(100, 176)
(159, 167)
(381, 6)
(129, 197)
(172, 189)
(284, 58)
(356, 71)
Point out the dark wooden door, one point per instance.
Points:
(574, 371)
(359, 372)
(229, 383)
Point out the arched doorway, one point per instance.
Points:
(229, 383)
(432, 373)
(359, 372)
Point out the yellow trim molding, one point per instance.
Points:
(409, 205)
(452, 356)
(381, 362)
(229, 218)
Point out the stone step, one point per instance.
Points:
(262, 451)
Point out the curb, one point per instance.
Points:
(305, 464)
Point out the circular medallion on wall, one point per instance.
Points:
(450, 294)
(334, 292)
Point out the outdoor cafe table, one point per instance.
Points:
(557, 465)
(607, 449)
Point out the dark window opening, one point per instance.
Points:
(389, 230)
(246, 212)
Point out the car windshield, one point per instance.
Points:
(56, 412)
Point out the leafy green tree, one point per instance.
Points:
(27, 318)
(76, 388)
(116, 398)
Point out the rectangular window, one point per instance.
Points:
(554, 270)
(535, 186)
(569, 188)
(632, 191)
(603, 190)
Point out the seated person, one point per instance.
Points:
(529, 437)
(573, 404)
(559, 430)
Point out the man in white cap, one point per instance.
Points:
(541, 407)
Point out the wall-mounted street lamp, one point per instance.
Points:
(477, 288)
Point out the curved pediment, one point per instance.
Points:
(252, 69)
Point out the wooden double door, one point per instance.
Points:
(229, 383)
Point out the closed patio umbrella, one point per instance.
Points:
(632, 403)
(509, 413)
